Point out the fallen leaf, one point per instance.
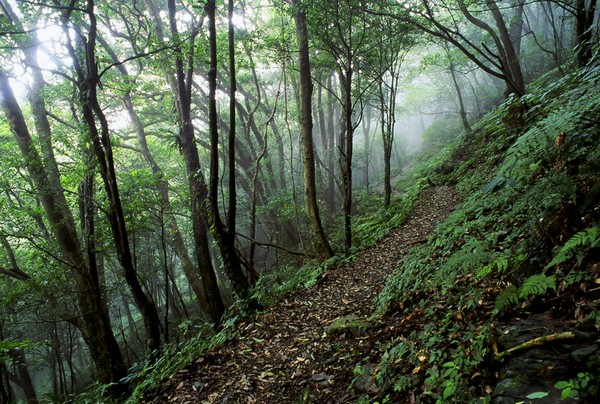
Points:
(321, 377)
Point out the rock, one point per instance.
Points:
(365, 382)
(585, 354)
(357, 326)
(538, 369)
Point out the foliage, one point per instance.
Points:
(176, 356)
(273, 286)
(589, 237)
(577, 387)
(536, 285)
(527, 177)
(146, 377)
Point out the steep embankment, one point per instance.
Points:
(504, 297)
(499, 303)
(306, 347)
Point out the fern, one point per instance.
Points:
(537, 285)
(500, 263)
(509, 297)
(589, 237)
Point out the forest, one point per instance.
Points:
(371, 201)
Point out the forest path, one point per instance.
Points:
(284, 355)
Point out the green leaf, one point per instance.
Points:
(449, 390)
(568, 393)
(507, 298)
(537, 394)
(563, 384)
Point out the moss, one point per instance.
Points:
(354, 325)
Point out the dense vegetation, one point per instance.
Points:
(524, 240)
(169, 168)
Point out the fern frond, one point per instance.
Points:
(536, 285)
(507, 298)
(500, 264)
(589, 237)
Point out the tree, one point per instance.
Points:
(343, 32)
(225, 237)
(459, 94)
(584, 12)
(174, 237)
(394, 41)
(87, 80)
(498, 54)
(93, 321)
(316, 233)
(197, 185)
(93, 318)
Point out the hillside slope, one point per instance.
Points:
(499, 303)
(516, 263)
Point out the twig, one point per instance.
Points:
(537, 342)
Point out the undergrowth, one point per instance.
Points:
(526, 233)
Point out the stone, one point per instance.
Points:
(357, 326)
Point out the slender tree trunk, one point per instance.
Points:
(387, 141)
(176, 240)
(6, 394)
(459, 96)
(509, 50)
(346, 150)
(225, 237)
(317, 235)
(331, 133)
(366, 126)
(197, 185)
(23, 378)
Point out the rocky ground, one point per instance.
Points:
(306, 347)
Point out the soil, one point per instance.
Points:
(287, 353)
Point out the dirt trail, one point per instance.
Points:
(282, 355)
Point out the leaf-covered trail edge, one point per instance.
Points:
(284, 354)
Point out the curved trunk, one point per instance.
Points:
(225, 237)
(92, 112)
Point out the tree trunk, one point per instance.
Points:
(346, 149)
(225, 237)
(23, 377)
(198, 190)
(88, 80)
(366, 127)
(584, 29)
(175, 240)
(508, 52)
(331, 112)
(6, 394)
(459, 96)
(317, 235)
